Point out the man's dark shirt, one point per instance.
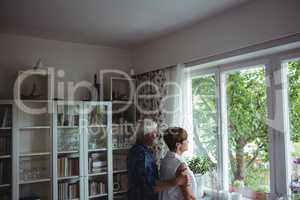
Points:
(142, 173)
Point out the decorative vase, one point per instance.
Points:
(236, 196)
(199, 189)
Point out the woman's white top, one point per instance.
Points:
(168, 168)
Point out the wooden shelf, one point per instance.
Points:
(35, 101)
(98, 174)
(121, 192)
(5, 128)
(5, 156)
(96, 150)
(35, 154)
(35, 181)
(5, 185)
(67, 178)
(121, 148)
(34, 127)
(98, 195)
(68, 152)
(124, 124)
(122, 102)
(97, 126)
(120, 171)
(67, 127)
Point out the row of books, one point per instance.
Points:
(97, 163)
(5, 196)
(120, 161)
(120, 182)
(5, 145)
(68, 191)
(96, 187)
(67, 120)
(67, 166)
(5, 116)
(31, 198)
(5, 172)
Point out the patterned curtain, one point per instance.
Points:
(150, 92)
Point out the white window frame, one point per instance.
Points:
(283, 60)
(193, 74)
(277, 103)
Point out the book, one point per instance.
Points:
(5, 144)
(68, 191)
(68, 166)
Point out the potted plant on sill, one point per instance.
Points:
(200, 165)
(236, 189)
(261, 193)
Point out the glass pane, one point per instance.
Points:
(294, 103)
(68, 139)
(35, 151)
(247, 131)
(97, 174)
(68, 115)
(5, 151)
(68, 147)
(205, 132)
(97, 115)
(97, 151)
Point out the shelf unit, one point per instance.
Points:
(98, 151)
(67, 148)
(82, 131)
(124, 121)
(76, 134)
(32, 149)
(6, 149)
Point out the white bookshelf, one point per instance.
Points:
(88, 135)
(6, 115)
(32, 150)
(67, 150)
(98, 150)
(39, 140)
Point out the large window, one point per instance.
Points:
(293, 72)
(205, 124)
(246, 120)
(248, 158)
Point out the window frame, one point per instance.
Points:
(284, 59)
(277, 108)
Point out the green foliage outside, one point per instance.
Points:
(247, 128)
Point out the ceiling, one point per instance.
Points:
(121, 23)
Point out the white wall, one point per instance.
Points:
(79, 61)
(252, 23)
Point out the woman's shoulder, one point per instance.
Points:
(170, 159)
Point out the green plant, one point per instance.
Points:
(201, 164)
(262, 188)
(239, 184)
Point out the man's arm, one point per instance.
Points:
(180, 180)
(185, 189)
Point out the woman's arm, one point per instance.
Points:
(185, 189)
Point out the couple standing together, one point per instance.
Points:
(175, 180)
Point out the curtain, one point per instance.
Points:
(178, 103)
(165, 96)
(151, 91)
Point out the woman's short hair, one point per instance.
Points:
(174, 135)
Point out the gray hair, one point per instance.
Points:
(143, 128)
